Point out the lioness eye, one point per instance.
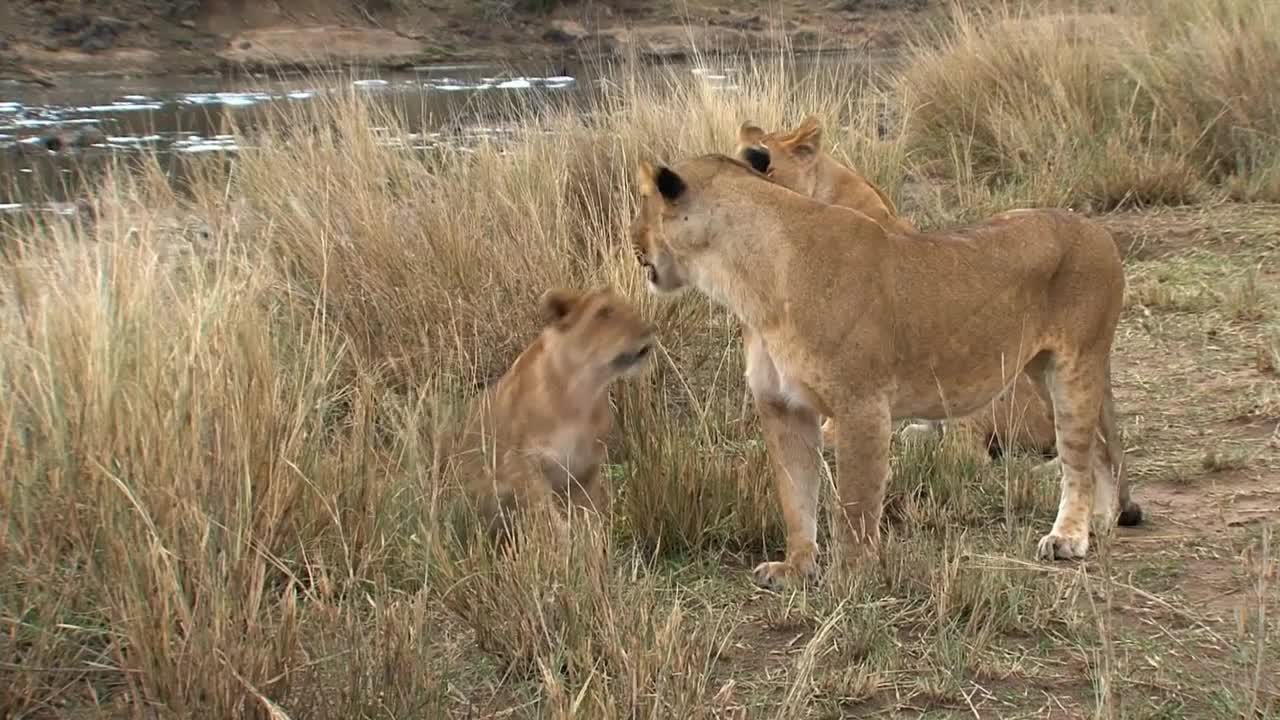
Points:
(604, 313)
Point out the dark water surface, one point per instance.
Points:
(54, 140)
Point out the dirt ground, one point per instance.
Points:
(42, 39)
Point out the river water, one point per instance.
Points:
(55, 140)
(51, 139)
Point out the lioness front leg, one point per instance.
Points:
(792, 437)
(862, 473)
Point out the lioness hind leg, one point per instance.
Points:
(1129, 512)
(1077, 386)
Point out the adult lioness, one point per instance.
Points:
(539, 432)
(796, 160)
(864, 326)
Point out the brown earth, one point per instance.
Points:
(42, 39)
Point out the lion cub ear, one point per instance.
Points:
(749, 134)
(660, 178)
(807, 138)
(556, 304)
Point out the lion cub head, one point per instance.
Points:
(788, 158)
(596, 334)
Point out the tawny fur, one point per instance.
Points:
(867, 326)
(796, 160)
(539, 432)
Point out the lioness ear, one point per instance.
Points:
(662, 179)
(807, 138)
(556, 304)
(669, 184)
(749, 134)
(758, 158)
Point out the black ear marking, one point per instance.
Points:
(758, 158)
(669, 184)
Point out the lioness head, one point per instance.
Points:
(597, 332)
(675, 220)
(662, 193)
(789, 158)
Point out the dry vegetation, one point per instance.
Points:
(218, 407)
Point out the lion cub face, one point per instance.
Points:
(788, 158)
(596, 333)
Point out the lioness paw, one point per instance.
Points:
(1062, 547)
(1130, 515)
(783, 575)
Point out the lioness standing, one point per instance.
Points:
(795, 160)
(539, 432)
(864, 326)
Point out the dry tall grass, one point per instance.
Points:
(217, 407)
(1144, 103)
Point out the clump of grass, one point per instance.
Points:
(1269, 350)
(1145, 106)
(1245, 300)
(601, 638)
(172, 483)
(688, 486)
(1225, 459)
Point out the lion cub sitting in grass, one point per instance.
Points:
(1018, 417)
(538, 433)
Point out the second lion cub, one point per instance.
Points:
(538, 434)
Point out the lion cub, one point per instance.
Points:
(539, 432)
(795, 160)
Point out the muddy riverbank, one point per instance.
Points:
(47, 41)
